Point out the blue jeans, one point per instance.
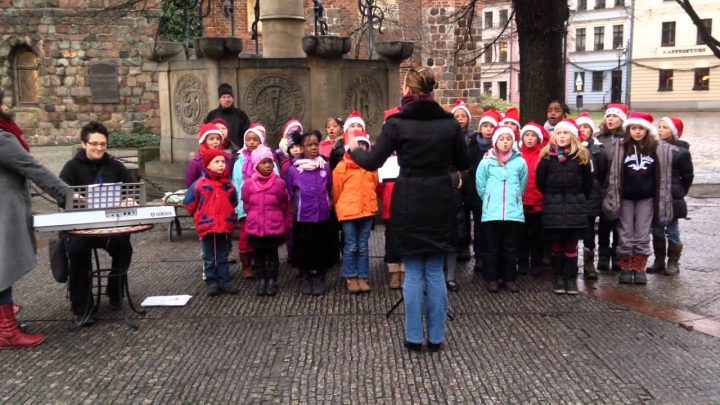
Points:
(356, 251)
(215, 251)
(424, 274)
(671, 232)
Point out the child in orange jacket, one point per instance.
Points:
(355, 198)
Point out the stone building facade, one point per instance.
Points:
(60, 58)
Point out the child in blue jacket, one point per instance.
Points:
(500, 181)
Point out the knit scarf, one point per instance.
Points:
(263, 182)
(10, 126)
(503, 157)
(247, 169)
(309, 164)
(561, 153)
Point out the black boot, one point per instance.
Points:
(557, 262)
(614, 260)
(603, 259)
(273, 268)
(261, 274)
(318, 284)
(570, 271)
(306, 286)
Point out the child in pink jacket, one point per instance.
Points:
(265, 199)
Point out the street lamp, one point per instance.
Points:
(616, 83)
(620, 50)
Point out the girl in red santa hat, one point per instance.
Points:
(530, 250)
(209, 137)
(462, 114)
(666, 239)
(638, 193)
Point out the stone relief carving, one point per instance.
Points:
(367, 97)
(191, 103)
(273, 100)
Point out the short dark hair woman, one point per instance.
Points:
(428, 142)
(17, 240)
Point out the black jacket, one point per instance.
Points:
(600, 173)
(476, 151)
(566, 189)
(238, 122)
(428, 142)
(81, 171)
(682, 178)
(337, 153)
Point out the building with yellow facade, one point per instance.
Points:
(671, 68)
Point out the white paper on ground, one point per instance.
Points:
(166, 301)
(390, 170)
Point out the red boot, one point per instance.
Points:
(11, 336)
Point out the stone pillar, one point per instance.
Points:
(283, 26)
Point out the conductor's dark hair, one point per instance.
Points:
(93, 127)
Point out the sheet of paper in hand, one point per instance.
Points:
(390, 170)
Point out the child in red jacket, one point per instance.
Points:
(211, 200)
(531, 241)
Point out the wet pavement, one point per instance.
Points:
(611, 344)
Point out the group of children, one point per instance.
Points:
(540, 188)
(531, 193)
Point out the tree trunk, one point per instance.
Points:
(541, 34)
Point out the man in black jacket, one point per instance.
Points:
(93, 165)
(236, 118)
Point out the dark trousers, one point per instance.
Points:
(79, 250)
(216, 250)
(391, 255)
(605, 228)
(500, 258)
(478, 235)
(589, 234)
(530, 251)
(6, 296)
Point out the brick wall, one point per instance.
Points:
(65, 43)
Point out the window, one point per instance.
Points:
(599, 38)
(619, 3)
(502, 90)
(27, 85)
(489, 53)
(702, 79)
(503, 51)
(503, 18)
(599, 4)
(666, 80)
(597, 81)
(618, 36)
(707, 22)
(488, 19)
(487, 88)
(668, 34)
(580, 40)
(582, 5)
(579, 82)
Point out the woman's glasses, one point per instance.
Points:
(97, 144)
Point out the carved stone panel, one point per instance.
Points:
(103, 81)
(365, 95)
(190, 103)
(273, 100)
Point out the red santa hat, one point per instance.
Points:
(257, 129)
(207, 130)
(209, 154)
(512, 115)
(537, 129)
(585, 118)
(354, 118)
(676, 126)
(619, 110)
(460, 105)
(502, 130)
(642, 119)
(568, 124)
(287, 129)
(490, 116)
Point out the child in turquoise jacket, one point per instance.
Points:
(500, 181)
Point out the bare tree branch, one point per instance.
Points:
(706, 36)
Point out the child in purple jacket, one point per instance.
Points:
(265, 200)
(309, 184)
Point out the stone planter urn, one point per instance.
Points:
(326, 46)
(159, 51)
(218, 47)
(396, 51)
